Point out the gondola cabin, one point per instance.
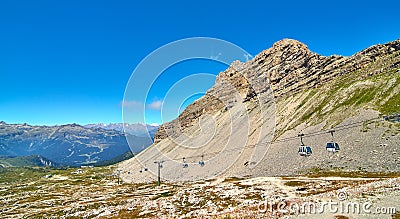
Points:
(332, 147)
(305, 150)
(184, 164)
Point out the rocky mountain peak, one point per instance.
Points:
(286, 49)
(290, 67)
(289, 44)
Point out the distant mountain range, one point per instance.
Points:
(137, 129)
(67, 144)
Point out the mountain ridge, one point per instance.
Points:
(137, 129)
(311, 93)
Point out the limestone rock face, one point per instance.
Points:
(289, 66)
(292, 67)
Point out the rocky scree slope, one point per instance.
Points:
(310, 93)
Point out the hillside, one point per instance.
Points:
(117, 159)
(26, 161)
(66, 144)
(281, 92)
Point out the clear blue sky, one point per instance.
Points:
(69, 61)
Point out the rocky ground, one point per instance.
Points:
(95, 193)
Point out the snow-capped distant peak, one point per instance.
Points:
(138, 129)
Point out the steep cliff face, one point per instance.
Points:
(292, 67)
(240, 83)
(282, 91)
(289, 66)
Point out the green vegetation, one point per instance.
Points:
(295, 183)
(163, 195)
(392, 105)
(11, 175)
(344, 96)
(232, 179)
(22, 174)
(23, 161)
(39, 188)
(117, 159)
(360, 96)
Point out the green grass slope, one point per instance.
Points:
(26, 161)
(369, 88)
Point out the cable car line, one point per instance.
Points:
(304, 150)
(337, 128)
(303, 135)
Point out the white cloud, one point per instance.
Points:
(136, 105)
(155, 105)
(131, 104)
